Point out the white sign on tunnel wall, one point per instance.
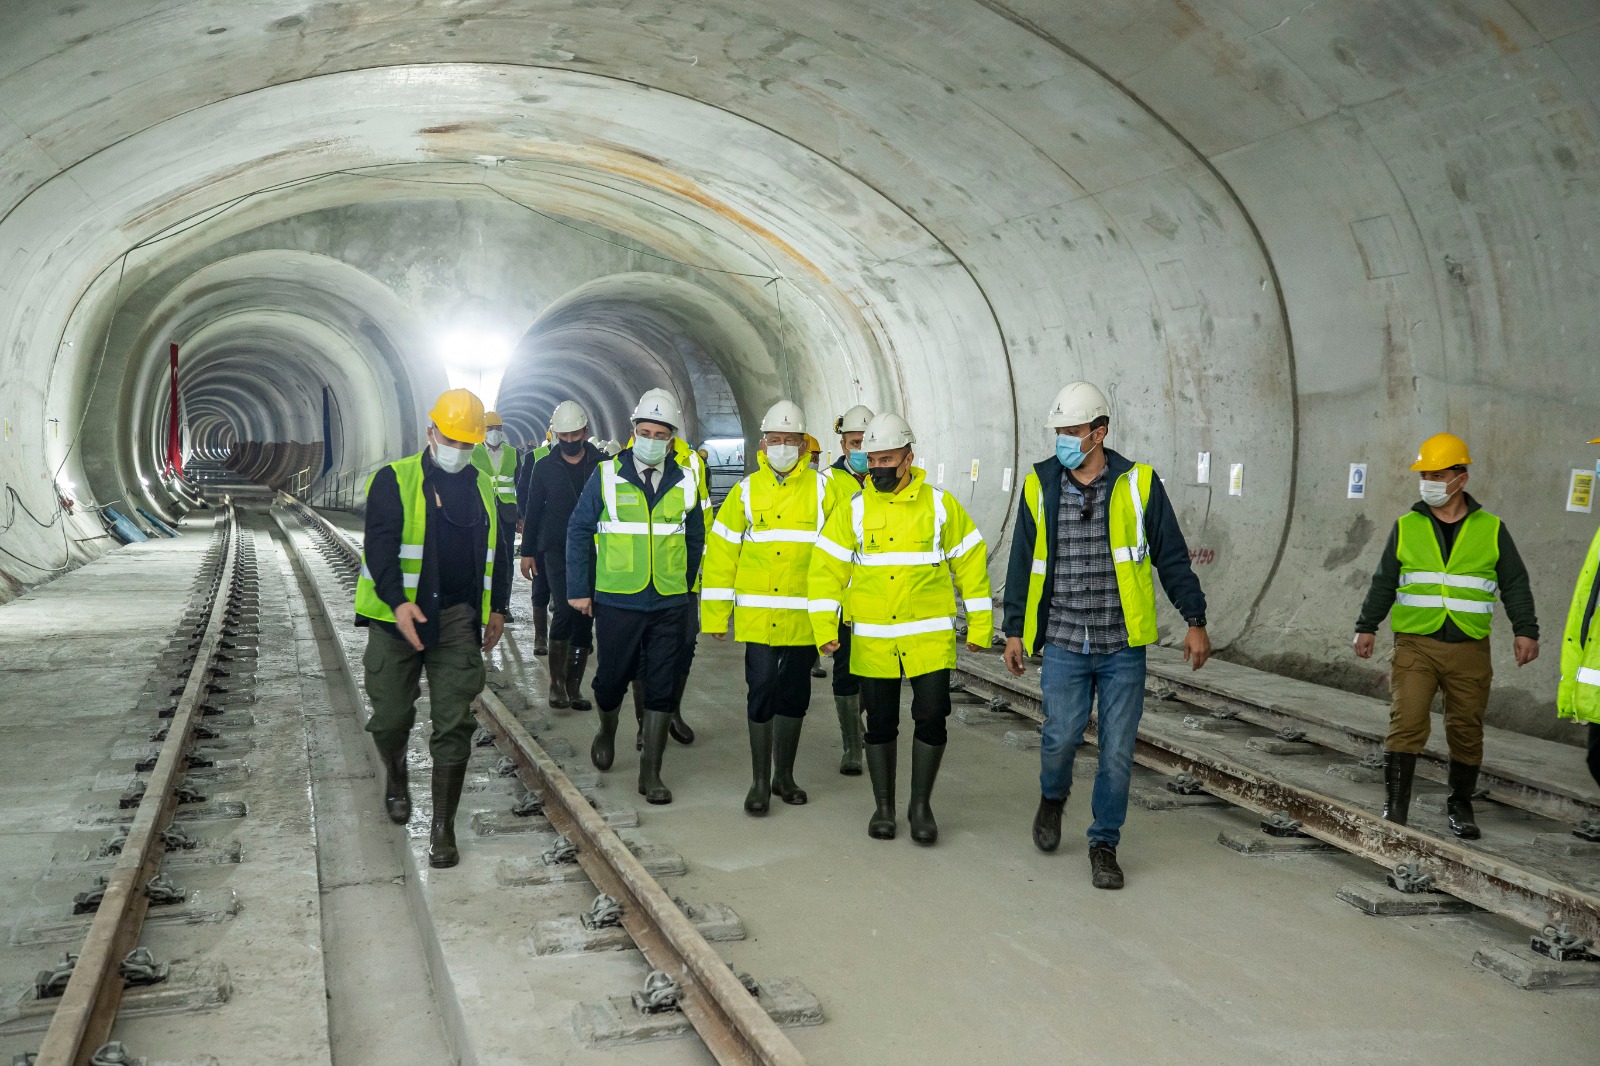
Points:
(1356, 489)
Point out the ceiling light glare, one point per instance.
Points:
(476, 359)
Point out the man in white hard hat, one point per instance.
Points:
(633, 552)
(1093, 530)
(757, 563)
(551, 492)
(897, 548)
(846, 477)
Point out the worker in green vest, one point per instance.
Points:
(1579, 696)
(1445, 561)
(500, 462)
(435, 583)
(541, 583)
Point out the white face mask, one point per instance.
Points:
(451, 460)
(783, 457)
(1435, 493)
(494, 438)
(649, 452)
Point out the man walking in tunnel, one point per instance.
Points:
(500, 463)
(846, 477)
(1579, 696)
(633, 552)
(756, 570)
(897, 548)
(541, 585)
(551, 492)
(1092, 525)
(434, 586)
(1443, 563)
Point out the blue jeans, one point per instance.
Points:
(1071, 681)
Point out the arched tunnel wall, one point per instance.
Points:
(1294, 238)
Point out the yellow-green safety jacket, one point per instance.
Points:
(758, 556)
(842, 488)
(1579, 695)
(636, 545)
(505, 478)
(413, 541)
(1432, 589)
(897, 554)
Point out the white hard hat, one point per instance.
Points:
(853, 421)
(611, 447)
(784, 417)
(886, 432)
(658, 405)
(568, 417)
(1077, 404)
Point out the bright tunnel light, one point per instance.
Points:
(476, 359)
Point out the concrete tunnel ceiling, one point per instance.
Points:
(1293, 237)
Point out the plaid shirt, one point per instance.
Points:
(1085, 605)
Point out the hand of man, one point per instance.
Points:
(717, 636)
(1526, 649)
(406, 617)
(492, 631)
(1364, 644)
(829, 648)
(974, 647)
(583, 606)
(530, 567)
(1197, 647)
(1013, 656)
(519, 525)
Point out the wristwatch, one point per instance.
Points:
(1196, 623)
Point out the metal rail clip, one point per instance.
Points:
(1185, 784)
(1563, 945)
(529, 805)
(604, 913)
(659, 995)
(163, 893)
(1409, 877)
(52, 982)
(506, 767)
(87, 902)
(112, 1054)
(1290, 735)
(1372, 760)
(560, 853)
(1588, 829)
(1281, 825)
(139, 967)
(482, 738)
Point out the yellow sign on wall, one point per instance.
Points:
(1580, 492)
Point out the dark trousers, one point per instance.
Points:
(506, 527)
(930, 706)
(778, 678)
(844, 682)
(541, 583)
(691, 635)
(1594, 751)
(567, 623)
(455, 677)
(637, 644)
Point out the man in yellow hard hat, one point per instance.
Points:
(500, 462)
(1444, 562)
(1579, 696)
(435, 583)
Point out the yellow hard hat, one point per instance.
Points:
(1595, 441)
(1442, 451)
(491, 419)
(459, 416)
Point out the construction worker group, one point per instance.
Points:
(867, 562)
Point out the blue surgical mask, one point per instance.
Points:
(649, 452)
(857, 461)
(1069, 450)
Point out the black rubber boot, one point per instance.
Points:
(1398, 769)
(541, 631)
(759, 797)
(396, 793)
(1047, 823)
(447, 783)
(818, 671)
(925, 759)
(880, 764)
(1458, 807)
(560, 659)
(1103, 868)
(637, 689)
(603, 752)
(575, 671)
(785, 743)
(655, 743)
(678, 727)
(849, 710)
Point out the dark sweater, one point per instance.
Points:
(454, 544)
(586, 520)
(1516, 592)
(550, 492)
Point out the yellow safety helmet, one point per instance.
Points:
(459, 416)
(491, 420)
(1595, 441)
(1442, 451)
(812, 447)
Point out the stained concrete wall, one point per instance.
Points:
(1292, 236)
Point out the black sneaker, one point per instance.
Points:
(1047, 824)
(1103, 865)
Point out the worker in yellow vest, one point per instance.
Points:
(757, 562)
(434, 587)
(896, 548)
(846, 477)
(500, 462)
(1444, 562)
(633, 553)
(1579, 696)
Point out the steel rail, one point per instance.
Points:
(88, 1007)
(1492, 883)
(728, 1019)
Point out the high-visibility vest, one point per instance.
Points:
(503, 479)
(413, 540)
(1130, 555)
(1579, 695)
(897, 554)
(1432, 590)
(758, 556)
(637, 545)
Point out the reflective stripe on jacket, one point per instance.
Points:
(1579, 695)
(897, 554)
(637, 545)
(1432, 589)
(505, 478)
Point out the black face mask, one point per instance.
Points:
(885, 478)
(572, 447)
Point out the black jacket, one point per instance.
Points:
(1516, 591)
(585, 520)
(1169, 552)
(385, 521)
(547, 499)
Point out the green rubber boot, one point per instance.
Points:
(759, 797)
(925, 759)
(604, 749)
(880, 764)
(849, 708)
(655, 743)
(785, 743)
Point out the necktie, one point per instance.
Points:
(649, 479)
